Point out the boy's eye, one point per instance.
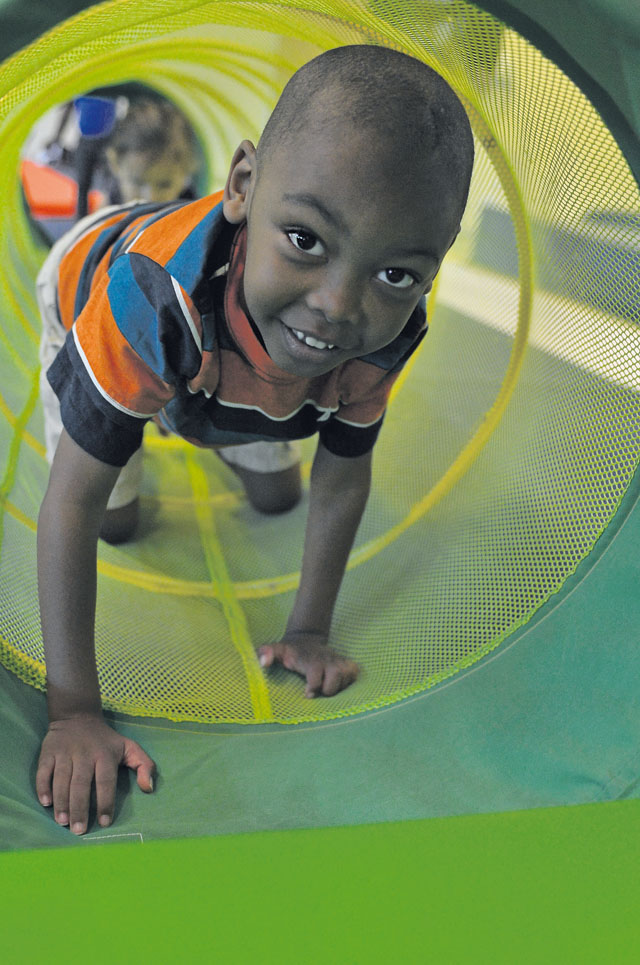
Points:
(305, 241)
(396, 277)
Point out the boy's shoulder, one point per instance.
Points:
(183, 238)
(177, 246)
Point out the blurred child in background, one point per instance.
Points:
(149, 155)
(113, 146)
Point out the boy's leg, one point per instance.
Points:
(269, 472)
(123, 508)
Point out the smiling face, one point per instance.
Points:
(341, 245)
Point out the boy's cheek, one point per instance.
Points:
(266, 288)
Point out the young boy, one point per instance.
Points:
(287, 310)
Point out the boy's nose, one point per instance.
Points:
(337, 297)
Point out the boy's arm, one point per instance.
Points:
(338, 495)
(80, 747)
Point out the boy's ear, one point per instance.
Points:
(240, 183)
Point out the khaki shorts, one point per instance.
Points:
(261, 457)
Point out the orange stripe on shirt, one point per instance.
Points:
(161, 240)
(117, 369)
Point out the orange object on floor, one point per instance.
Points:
(52, 194)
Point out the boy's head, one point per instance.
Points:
(151, 151)
(352, 199)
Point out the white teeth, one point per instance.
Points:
(308, 340)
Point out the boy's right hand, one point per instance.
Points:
(77, 752)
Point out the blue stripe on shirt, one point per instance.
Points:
(193, 257)
(98, 250)
(146, 310)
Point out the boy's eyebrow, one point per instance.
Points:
(416, 252)
(310, 201)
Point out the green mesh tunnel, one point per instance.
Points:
(509, 445)
(492, 597)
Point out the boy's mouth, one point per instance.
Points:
(311, 341)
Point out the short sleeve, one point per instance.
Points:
(136, 342)
(102, 431)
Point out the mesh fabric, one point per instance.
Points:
(511, 438)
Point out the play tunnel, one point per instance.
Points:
(499, 533)
(509, 444)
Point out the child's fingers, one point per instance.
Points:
(265, 656)
(106, 777)
(350, 671)
(333, 680)
(145, 777)
(280, 652)
(80, 794)
(315, 673)
(326, 673)
(140, 762)
(44, 775)
(61, 784)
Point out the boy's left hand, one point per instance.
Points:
(308, 654)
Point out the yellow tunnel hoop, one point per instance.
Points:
(324, 17)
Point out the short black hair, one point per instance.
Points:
(400, 99)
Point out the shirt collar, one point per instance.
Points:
(239, 322)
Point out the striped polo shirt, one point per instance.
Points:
(151, 296)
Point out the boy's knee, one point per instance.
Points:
(119, 525)
(272, 492)
(274, 503)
